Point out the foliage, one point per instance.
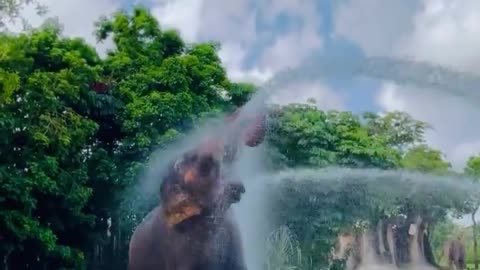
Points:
(44, 145)
(306, 136)
(399, 129)
(283, 251)
(424, 159)
(318, 204)
(472, 168)
(442, 232)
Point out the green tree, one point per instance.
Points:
(421, 158)
(399, 129)
(441, 233)
(472, 169)
(306, 136)
(424, 159)
(241, 92)
(317, 208)
(43, 176)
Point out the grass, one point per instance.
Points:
(283, 252)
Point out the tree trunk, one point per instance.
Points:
(402, 246)
(474, 232)
(5, 260)
(428, 251)
(4, 264)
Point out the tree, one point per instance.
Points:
(441, 233)
(399, 129)
(318, 204)
(472, 169)
(43, 176)
(241, 92)
(316, 210)
(426, 160)
(306, 136)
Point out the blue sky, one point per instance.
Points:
(360, 92)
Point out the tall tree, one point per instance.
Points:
(45, 138)
(472, 169)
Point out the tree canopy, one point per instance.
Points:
(373, 169)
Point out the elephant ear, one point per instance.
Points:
(177, 203)
(180, 208)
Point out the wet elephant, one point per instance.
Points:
(454, 251)
(192, 228)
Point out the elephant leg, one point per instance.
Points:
(450, 264)
(457, 265)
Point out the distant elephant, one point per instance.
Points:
(389, 243)
(349, 247)
(454, 251)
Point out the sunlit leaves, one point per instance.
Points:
(398, 128)
(473, 167)
(241, 92)
(424, 159)
(173, 75)
(309, 136)
(9, 83)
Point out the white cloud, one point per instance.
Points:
(233, 55)
(182, 15)
(290, 50)
(454, 121)
(301, 92)
(76, 16)
(231, 23)
(447, 33)
(439, 31)
(374, 25)
(234, 24)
